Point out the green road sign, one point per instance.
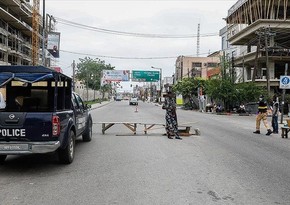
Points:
(145, 76)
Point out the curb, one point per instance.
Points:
(98, 105)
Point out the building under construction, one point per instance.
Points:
(21, 34)
(15, 32)
(262, 28)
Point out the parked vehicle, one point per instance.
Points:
(119, 98)
(42, 114)
(251, 107)
(133, 101)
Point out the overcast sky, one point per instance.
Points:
(142, 17)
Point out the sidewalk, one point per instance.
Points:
(98, 105)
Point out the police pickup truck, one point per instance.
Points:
(41, 113)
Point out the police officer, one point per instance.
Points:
(171, 126)
(262, 115)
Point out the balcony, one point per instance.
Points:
(16, 23)
(247, 17)
(245, 36)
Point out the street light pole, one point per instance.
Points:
(160, 82)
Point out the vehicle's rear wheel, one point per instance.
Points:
(2, 158)
(87, 135)
(66, 155)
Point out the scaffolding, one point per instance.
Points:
(35, 27)
(249, 11)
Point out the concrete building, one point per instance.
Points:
(204, 67)
(16, 34)
(262, 28)
(230, 53)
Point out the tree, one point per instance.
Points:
(105, 88)
(248, 92)
(232, 94)
(222, 90)
(90, 72)
(188, 88)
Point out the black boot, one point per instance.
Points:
(269, 132)
(178, 137)
(257, 132)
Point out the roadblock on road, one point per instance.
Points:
(184, 130)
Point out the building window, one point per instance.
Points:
(212, 64)
(2, 39)
(2, 55)
(223, 43)
(196, 64)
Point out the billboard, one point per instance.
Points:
(53, 42)
(145, 76)
(116, 75)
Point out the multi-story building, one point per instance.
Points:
(230, 52)
(16, 30)
(204, 67)
(262, 28)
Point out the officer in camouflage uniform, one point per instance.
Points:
(262, 115)
(171, 126)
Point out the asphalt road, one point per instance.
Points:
(226, 164)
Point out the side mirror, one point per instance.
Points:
(88, 106)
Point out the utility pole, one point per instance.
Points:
(267, 34)
(160, 83)
(197, 44)
(243, 67)
(232, 66)
(257, 55)
(43, 35)
(73, 66)
(283, 95)
(267, 62)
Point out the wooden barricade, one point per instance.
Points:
(184, 130)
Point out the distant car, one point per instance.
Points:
(118, 98)
(133, 101)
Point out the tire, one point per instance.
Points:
(66, 155)
(87, 135)
(2, 158)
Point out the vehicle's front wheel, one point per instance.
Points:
(87, 135)
(66, 155)
(2, 158)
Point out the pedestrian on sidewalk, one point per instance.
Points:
(262, 115)
(169, 105)
(275, 111)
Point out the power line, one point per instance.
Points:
(124, 58)
(115, 32)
